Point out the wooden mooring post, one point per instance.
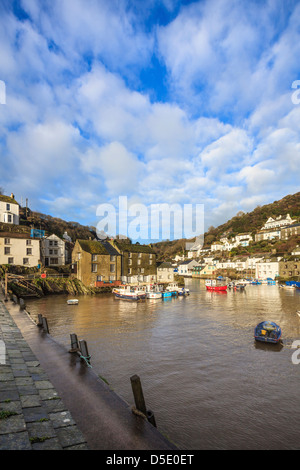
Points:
(40, 320)
(45, 325)
(140, 400)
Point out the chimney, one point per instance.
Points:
(12, 196)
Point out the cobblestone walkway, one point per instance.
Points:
(32, 415)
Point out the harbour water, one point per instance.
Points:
(209, 384)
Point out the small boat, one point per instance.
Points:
(153, 292)
(239, 286)
(287, 286)
(72, 302)
(267, 332)
(166, 294)
(176, 290)
(211, 285)
(298, 313)
(129, 293)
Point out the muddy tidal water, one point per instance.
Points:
(209, 384)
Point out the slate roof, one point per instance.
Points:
(134, 248)
(93, 247)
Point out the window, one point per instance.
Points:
(7, 250)
(142, 270)
(112, 258)
(129, 270)
(25, 261)
(6, 241)
(94, 268)
(130, 262)
(139, 255)
(129, 255)
(150, 261)
(28, 242)
(150, 256)
(50, 242)
(139, 261)
(112, 268)
(99, 278)
(55, 243)
(8, 207)
(10, 261)
(53, 260)
(28, 251)
(94, 257)
(112, 278)
(50, 252)
(9, 218)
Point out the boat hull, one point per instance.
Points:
(154, 295)
(130, 297)
(216, 288)
(166, 294)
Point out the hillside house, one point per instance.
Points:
(279, 221)
(9, 210)
(243, 239)
(290, 231)
(19, 249)
(94, 263)
(268, 234)
(53, 251)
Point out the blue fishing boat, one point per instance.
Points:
(167, 294)
(267, 332)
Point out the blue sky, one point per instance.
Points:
(178, 102)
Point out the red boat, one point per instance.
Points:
(217, 288)
(212, 286)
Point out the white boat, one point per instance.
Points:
(153, 292)
(288, 286)
(72, 302)
(173, 287)
(127, 292)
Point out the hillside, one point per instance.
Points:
(55, 225)
(241, 223)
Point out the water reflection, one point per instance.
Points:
(206, 379)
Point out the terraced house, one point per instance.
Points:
(289, 268)
(138, 261)
(19, 249)
(95, 263)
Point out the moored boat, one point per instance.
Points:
(127, 292)
(72, 302)
(211, 285)
(267, 332)
(153, 292)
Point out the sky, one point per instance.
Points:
(164, 102)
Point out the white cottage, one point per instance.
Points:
(9, 210)
(53, 251)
